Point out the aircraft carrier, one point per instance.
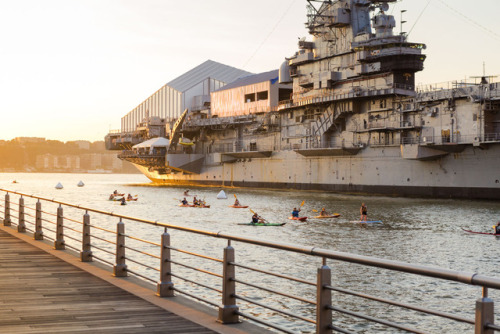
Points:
(340, 115)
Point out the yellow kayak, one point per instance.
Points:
(336, 215)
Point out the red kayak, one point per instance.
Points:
(239, 206)
(469, 231)
(298, 218)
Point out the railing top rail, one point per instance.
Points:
(447, 274)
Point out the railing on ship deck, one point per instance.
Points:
(117, 248)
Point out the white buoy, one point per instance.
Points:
(80, 184)
(221, 195)
(59, 186)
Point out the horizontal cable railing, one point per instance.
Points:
(200, 276)
(403, 305)
(197, 283)
(274, 274)
(276, 309)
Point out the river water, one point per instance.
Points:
(419, 231)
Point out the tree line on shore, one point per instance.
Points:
(21, 154)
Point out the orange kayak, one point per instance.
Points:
(239, 206)
(298, 218)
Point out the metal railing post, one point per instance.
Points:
(120, 268)
(323, 300)
(6, 220)
(228, 310)
(21, 225)
(86, 253)
(484, 314)
(59, 243)
(38, 222)
(164, 286)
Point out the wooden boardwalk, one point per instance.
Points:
(41, 293)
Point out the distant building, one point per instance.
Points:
(65, 163)
(44, 162)
(189, 91)
(71, 162)
(95, 161)
(249, 95)
(82, 144)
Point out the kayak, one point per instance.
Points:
(298, 218)
(327, 216)
(469, 231)
(262, 224)
(367, 222)
(132, 199)
(239, 206)
(193, 206)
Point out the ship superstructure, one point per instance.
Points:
(341, 114)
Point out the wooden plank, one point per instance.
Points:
(43, 294)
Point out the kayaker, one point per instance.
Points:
(364, 212)
(295, 213)
(195, 201)
(111, 197)
(255, 218)
(129, 196)
(184, 201)
(123, 202)
(237, 203)
(323, 212)
(497, 228)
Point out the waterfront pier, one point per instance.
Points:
(49, 291)
(114, 263)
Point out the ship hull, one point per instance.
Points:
(472, 173)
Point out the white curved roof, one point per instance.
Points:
(153, 142)
(208, 69)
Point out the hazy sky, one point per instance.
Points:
(70, 69)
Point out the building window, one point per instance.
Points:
(262, 95)
(249, 98)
